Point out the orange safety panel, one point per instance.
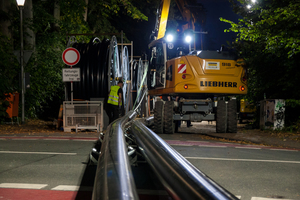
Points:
(13, 107)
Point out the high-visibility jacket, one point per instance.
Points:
(113, 97)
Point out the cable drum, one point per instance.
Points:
(99, 68)
(114, 71)
(93, 66)
(139, 78)
(126, 76)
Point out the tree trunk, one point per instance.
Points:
(85, 10)
(56, 15)
(29, 36)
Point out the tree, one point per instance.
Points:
(267, 37)
(46, 25)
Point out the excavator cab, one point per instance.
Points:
(157, 65)
(161, 51)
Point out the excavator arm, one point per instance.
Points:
(184, 7)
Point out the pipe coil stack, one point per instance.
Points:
(100, 67)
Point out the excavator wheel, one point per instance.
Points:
(158, 117)
(221, 118)
(231, 116)
(169, 125)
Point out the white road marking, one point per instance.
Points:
(72, 188)
(212, 146)
(45, 153)
(283, 150)
(22, 185)
(262, 198)
(247, 160)
(247, 148)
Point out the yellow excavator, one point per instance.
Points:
(191, 85)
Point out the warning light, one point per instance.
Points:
(183, 76)
(185, 86)
(242, 88)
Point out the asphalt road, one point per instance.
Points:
(45, 168)
(47, 164)
(248, 171)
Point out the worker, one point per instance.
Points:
(115, 101)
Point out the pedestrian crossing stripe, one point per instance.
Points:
(88, 188)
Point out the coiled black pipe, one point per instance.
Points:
(93, 70)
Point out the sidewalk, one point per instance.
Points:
(243, 135)
(199, 131)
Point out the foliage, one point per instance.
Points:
(268, 41)
(8, 73)
(274, 24)
(45, 65)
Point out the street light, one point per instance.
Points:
(21, 7)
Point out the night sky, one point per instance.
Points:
(215, 28)
(140, 32)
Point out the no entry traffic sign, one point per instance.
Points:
(71, 56)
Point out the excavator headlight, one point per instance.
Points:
(170, 38)
(188, 38)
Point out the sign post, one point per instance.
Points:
(71, 57)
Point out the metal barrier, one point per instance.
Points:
(83, 115)
(114, 178)
(181, 179)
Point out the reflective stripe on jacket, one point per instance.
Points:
(113, 97)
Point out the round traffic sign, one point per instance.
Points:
(71, 56)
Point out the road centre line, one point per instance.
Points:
(45, 153)
(246, 160)
(22, 185)
(283, 150)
